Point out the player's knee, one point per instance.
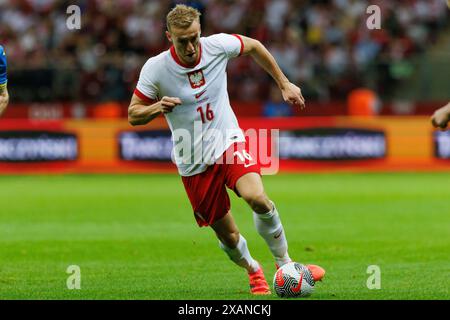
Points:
(230, 239)
(259, 202)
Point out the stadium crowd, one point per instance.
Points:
(325, 45)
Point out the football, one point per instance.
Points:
(293, 280)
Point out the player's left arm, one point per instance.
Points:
(291, 93)
(441, 117)
(4, 96)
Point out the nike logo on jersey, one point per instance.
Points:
(249, 165)
(278, 235)
(198, 95)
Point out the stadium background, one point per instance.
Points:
(369, 95)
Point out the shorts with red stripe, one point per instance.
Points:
(207, 190)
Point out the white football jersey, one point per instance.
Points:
(204, 125)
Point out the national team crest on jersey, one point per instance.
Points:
(196, 79)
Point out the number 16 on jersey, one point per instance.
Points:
(207, 115)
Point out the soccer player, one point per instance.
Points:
(188, 85)
(4, 97)
(441, 117)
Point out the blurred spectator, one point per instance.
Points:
(323, 45)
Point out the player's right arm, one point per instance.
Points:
(142, 111)
(441, 117)
(145, 105)
(4, 96)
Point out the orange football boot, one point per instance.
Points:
(317, 272)
(258, 283)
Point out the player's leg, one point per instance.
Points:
(235, 246)
(265, 215)
(233, 243)
(267, 220)
(211, 205)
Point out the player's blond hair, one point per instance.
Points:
(182, 16)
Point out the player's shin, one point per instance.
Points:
(241, 255)
(270, 228)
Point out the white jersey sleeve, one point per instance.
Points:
(147, 84)
(229, 44)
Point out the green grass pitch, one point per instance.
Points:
(134, 236)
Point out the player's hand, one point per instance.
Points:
(441, 117)
(293, 95)
(4, 99)
(168, 103)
